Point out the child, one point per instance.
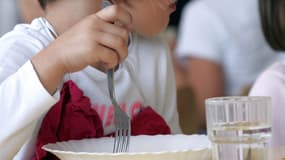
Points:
(78, 41)
(271, 82)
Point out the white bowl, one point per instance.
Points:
(159, 147)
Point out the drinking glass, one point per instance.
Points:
(239, 127)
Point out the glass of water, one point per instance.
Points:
(239, 127)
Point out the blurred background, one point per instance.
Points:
(9, 15)
(13, 12)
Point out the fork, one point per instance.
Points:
(122, 120)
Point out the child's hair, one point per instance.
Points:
(271, 17)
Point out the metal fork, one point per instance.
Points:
(122, 120)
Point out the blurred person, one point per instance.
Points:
(222, 48)
(9, 15)
(272, 81)
(184, 93)
(171, 36)
(13, 12)
(176, 16)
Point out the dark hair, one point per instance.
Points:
(272, 14)
(43, 3)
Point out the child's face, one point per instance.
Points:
(149, 17)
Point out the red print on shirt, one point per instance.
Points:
(107, 113)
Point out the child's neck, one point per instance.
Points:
(59, 25)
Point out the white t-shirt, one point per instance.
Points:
(227, 32)
(145, 78)
(272, 83)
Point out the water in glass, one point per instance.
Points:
(239, 127)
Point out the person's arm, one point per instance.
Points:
(27, 81)
(103, 45)
(207, 80)
(200, 50)
(23, 101)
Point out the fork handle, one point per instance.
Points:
(110, 78)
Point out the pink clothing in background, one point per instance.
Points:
(272, 83)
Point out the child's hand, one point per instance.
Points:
(96, 41)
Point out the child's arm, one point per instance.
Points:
(23, 101)
(23, 95)
(95, 41)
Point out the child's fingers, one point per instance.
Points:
(107, 58)
(116, 43)
(116, 30)
(116, 14)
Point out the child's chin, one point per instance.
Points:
(151, 33)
